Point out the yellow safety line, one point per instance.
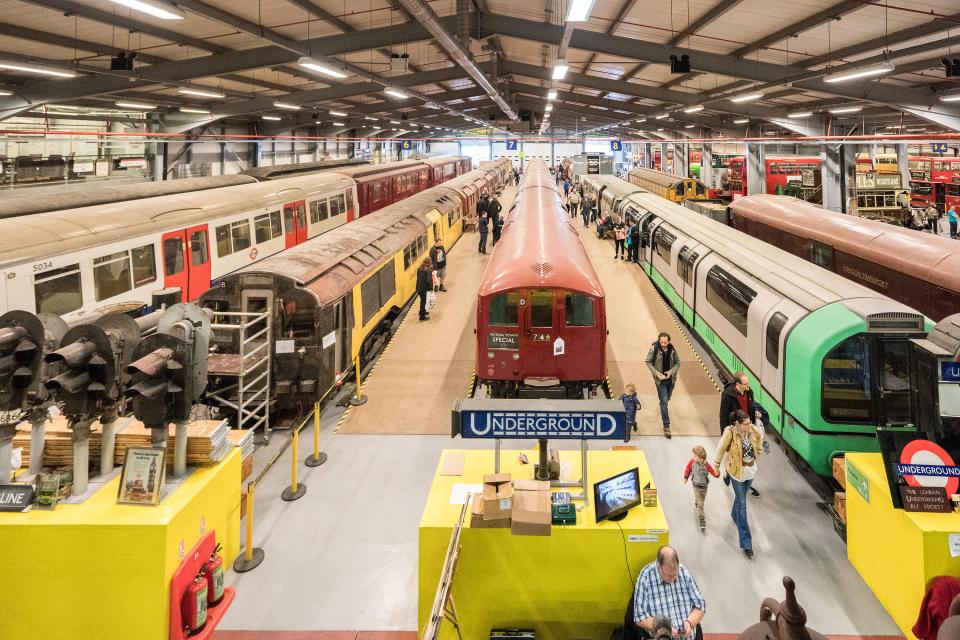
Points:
(683, 334)
(473, 384)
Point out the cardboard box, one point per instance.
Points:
(497, 496)
(840, 471)
(840, 504)
(476, 517)
(532, 514)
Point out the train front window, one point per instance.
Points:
(847, 389)
(579, 310)
(503, 310)
(894, 356)
(821, 255)
(541, 308)
(679, 189)
(58, 291)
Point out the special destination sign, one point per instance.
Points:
(535, 419)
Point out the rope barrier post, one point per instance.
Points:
(296, 490)
(318, 457)
(252, 556)
(359, 399)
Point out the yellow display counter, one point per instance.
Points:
(896, 552)
(102, 570)
(575, 583)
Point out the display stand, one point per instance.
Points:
(183, 577)
(556, 484)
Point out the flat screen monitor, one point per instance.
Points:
(615, 496)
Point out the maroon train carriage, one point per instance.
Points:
(379, 186)
(920, 270)
(541, 324)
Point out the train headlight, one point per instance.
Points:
(516, 356)
(490, 355)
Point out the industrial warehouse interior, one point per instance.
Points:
(465, 320)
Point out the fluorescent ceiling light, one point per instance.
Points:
(394, 122)
(155, 8)
(641, 120)
(800, 114)
(339, 124)
(396, 93)
(319, 67)
(846, 109)
(747, 97)
(5, 93)
(741, 121)
(339, 114)
(548, 108)
(369, 118)
(128, 104)
(659, 128)
(560, 69)
(662, 116)
(203, 93)
(193, 110)
(286, 105)
(689, 126)
(272, 118)
(552, 94)
(33, 68)
(953, 96)
(862, 72)
(693, 109)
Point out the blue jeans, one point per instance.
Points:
(664, 392)
(739, 512)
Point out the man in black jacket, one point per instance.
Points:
(438, 255)
(483, 226)
(424, 285)
(737, 395)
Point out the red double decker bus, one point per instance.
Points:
(779, 171)
(933, 180)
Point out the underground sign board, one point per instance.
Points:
(931, 475)
(550, 419)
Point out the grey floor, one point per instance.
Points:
(345, 555)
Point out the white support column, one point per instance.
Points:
(706, 167)
(681, 159)
(832, 177)
(663, 156)
(903, 163)
(756, 169)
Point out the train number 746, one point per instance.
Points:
(541, 337)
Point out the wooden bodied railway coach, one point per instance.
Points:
(334, 298)
(921, 270)
(828, 358)
(666, 185)
(541, 323)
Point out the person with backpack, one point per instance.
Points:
(698, 470)
(664, 362)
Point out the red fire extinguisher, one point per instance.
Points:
(193, 608)
(214, 574)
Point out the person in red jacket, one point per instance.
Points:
(699, 470)
(935, 606)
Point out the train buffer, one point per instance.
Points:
(543, 420)
(242, 364)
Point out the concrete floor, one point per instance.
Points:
(344, 557)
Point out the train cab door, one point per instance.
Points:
(539, 331)
(294, 223)
(173, 247)
(892, 402)
(198, 261)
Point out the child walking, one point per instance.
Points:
(631, 404)
(699, 471)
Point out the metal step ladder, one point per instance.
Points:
(250, 396)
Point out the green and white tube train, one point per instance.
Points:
(828, 358)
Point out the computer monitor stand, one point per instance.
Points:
(618, 517)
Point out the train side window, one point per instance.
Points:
(691, 260)
(679, 189)
(240, 233)
(579, 310)
(301, 216)
(198, 248)
(58, 291)
(541, 308)
(288, 219)
(846, 395)
(223, 241)
(261, 228)
(682, 262)
(730, 297)
(662, 243)
(774, 328)
(339, 203)
(111, 275)
(502, 311)
(323, 210)
(821, 255)
(173, 254)
(276, 229)
(144, 265)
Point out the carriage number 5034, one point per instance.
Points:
(42, 266)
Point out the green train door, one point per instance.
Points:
(893, 398)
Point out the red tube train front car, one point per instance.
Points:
(541, 320)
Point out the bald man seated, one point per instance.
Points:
(666, 589)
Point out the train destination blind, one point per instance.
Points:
(548, 419)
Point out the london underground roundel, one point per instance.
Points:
(931, 464)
